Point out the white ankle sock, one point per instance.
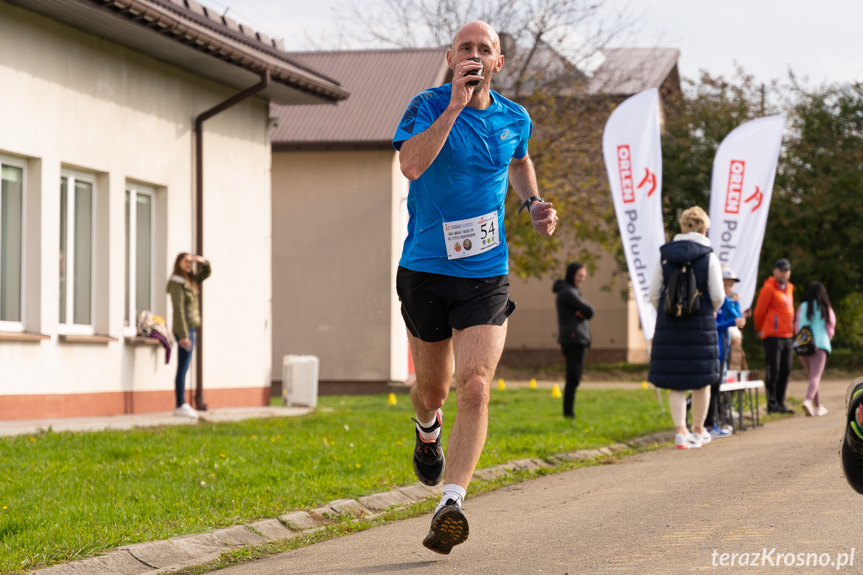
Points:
(428, 435)
(451, 491)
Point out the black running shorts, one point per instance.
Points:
(433, 304)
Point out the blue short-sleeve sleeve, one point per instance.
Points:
(419, 115)
(526, 133)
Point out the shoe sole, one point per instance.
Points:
(447, 530)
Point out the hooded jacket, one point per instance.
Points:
(572, 329)
(187, 312)
(774, 311)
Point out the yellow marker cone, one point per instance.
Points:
(643, 385)
(500, 384)
(392, 399)
(555, 391)
(532, 383)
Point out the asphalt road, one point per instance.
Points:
(765, 493)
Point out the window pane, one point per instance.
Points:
(128, 257)
(83, 247)
(63, 184)
(11, 214)
(143, 257)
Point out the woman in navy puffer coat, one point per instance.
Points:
(685, 354)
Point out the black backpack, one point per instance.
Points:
(682, 298)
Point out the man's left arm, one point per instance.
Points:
(523, 179)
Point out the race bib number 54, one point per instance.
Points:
(472, 236)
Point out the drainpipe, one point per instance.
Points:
(199, 216)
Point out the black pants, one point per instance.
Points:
(777, 367)
(713, 406)
(574, 355)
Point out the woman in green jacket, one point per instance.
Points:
(184, 287)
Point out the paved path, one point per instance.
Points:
(778, 487)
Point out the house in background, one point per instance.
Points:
(616, 331)
(340, 218)
(98, 169)
(339, 221)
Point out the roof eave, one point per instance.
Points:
(161, 30)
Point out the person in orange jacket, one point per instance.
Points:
(774, 321)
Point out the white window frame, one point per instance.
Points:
(132, 234)
(18, 326)
(69, 328)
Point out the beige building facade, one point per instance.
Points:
(340, 218)
(335, 255)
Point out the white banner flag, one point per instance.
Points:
(633, 159)
(740, 193)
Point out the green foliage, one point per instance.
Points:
(818, 198)
(566, 148)
(849, 322)
(65, 496)
(818, 193)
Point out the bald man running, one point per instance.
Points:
(461, 145)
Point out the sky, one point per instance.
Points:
(819, 41)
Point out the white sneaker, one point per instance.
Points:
(821, 410)
(807, 407)
(186, 410)
(688, 441)
(704, 435)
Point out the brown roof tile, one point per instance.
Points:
(381, 83)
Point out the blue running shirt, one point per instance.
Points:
(467, 179)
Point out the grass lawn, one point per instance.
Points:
(64, 496)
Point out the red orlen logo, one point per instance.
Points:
(624, 165)
(735, 186)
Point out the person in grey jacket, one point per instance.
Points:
(573, 315)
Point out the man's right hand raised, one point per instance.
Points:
(462, 92)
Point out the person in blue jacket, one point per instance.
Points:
(729, 315)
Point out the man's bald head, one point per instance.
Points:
(477, 26)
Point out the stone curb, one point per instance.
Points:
(177, 553)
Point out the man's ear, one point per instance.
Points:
(499, 64)
(449, 60)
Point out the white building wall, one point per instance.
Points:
(75, 101)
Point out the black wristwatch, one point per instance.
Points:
(528, 202)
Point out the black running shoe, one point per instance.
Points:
(852, 445)
(429, 461)
(448, 529)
